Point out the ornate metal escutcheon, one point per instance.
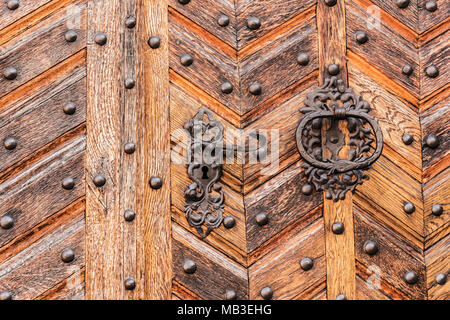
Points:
(334, 161)
(204, 197)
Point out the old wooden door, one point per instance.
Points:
(101, 99)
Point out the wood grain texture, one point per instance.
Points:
(215, 273)
(206, 13)
(389, 43)
(394, 258)
(408, 16)
(280, 268)
(428, 20)
(271, 13)
(28, 53)
(25, 8)
(437, 260)
(39, 267)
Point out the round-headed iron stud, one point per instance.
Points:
(154, 42)
(409, 207)
(100, 39)
(5, 295)
(155, 182)
(6, 222)
(266, 293)
(13, 4)
(230, 295)
(226, 87)
(361, 37)
(99, 180)
(223, 20)
(68, 183)
(186, 60)
(330, 3)
(341, 297)
(229, 222)
(303, 59)
(184, 1)
(307, 189)
(333, 69)
(437, 210)
(129, 215)
(255, 89)
(338, 228)
(407, 139)
(67, 255)
(262, 219)
(432, 71)
(130, 22)
(411, 277)
(441, 278)
(129, 148)
(402, 4)
(130, 284)
(10, 73)
(69, 108)
(253, 23)
(370, 247)
(432, 141)
(407, 70)
(10, 143)
(431, 6)
(129, 83)
(71, 36)
(189, 266)
(306, 264)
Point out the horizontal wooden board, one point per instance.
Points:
(280, 269)
(215, 273)
(206, 13)
(383, 42)
(29, 53)
(394, 258)
(39, 267)
(39, 188)
(282, 201)
(279, 13)
(39, 118)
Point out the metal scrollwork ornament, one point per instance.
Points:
(327, 166)
(204, 197)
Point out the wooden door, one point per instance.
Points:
(101, 100)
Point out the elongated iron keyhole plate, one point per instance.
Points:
(204, 197)
(333, 174)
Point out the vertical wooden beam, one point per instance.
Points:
(156, 148)
(117, 249)
(340, 248)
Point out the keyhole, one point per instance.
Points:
(205, 170)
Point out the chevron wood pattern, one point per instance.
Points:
(50, 147)
(67, 112)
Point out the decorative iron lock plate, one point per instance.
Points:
(328, 165)
(204, 197)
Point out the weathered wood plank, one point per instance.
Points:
(28, 53)
(215, 273)
(25, 7)
(206, 13)
(155, 227)
(39, 188)
(39, 267)
(395, 257)
(271, 13)
(428, 20)
(279, 199)
(437, 260)
(40, 119)
(280, 269)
